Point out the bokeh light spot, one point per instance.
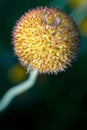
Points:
(83, 27)
(75, 3)
(16, 73)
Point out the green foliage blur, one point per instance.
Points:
(56, 102)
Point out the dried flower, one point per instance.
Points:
(45, 39)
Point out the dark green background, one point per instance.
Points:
(56, 102)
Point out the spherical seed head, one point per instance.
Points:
(45, 39)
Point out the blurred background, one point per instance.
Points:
(56, 102)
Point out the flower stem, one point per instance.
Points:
(18, 89)
(79, 13)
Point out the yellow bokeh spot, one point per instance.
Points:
(83, 27)
(16, 73)
(74, 3)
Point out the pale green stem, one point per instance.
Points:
(80, 12)
(18, 89)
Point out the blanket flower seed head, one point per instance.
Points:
(46, 39)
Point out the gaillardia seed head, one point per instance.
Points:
(45, 39)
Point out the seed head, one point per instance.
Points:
(45, 39)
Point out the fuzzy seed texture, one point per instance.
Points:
(46, 39)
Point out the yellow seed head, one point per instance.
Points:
(45, 39)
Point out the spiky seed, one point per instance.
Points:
(45, 39)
